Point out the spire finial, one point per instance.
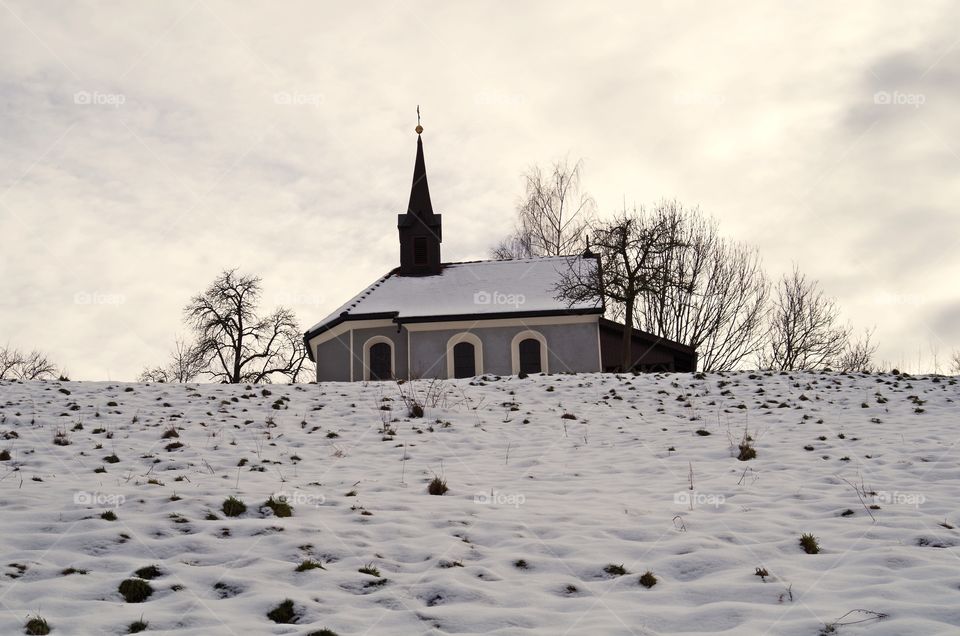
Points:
(419, 128)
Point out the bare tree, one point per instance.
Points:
(630, 246)
(858, 355)
(185, 365)
(9, 362)
(955, 362)
(553, 214)
(804, 330)
(15, 364)
(233, 343)
(715, 296)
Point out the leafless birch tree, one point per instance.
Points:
(552, 216)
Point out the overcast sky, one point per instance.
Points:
(145, 146)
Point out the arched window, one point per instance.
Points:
(464, 364)
(464, 356)
(528, 352)
(530, 356)
(378, 359)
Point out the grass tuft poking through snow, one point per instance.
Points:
(69, 571)
(36, 626)
(284, 613)
(370, 569)
(809, 543)
(647, 579)
(135, 590)
(615, 570)
(233, 507)
(279, 507)
(309, 564)
(437, 486)
(149, 572)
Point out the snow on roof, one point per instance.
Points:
(477, 287)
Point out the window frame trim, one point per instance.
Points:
(515, 350)
(472, 338)
(367, 344)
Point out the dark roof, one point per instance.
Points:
(646, 335)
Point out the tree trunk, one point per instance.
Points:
(626, 362)
(238, 352)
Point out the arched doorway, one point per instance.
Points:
(530, 356)
(464, 356)
(528, 352)
(464, 360)
(380, 361)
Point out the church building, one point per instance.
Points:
(430, 319)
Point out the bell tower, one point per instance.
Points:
(420, 228)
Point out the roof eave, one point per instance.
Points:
(327, 326)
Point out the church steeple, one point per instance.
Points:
(420, 228)
(420, 191)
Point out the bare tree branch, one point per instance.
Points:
(717, 297)
(630, 246)
(805, 333)
(858, 355)
(15, 364)
(232, 344)
(552, 216)
(185, 365)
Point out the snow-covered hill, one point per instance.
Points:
(555, 482)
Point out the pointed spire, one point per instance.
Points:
(420, 229)
(420, 204)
